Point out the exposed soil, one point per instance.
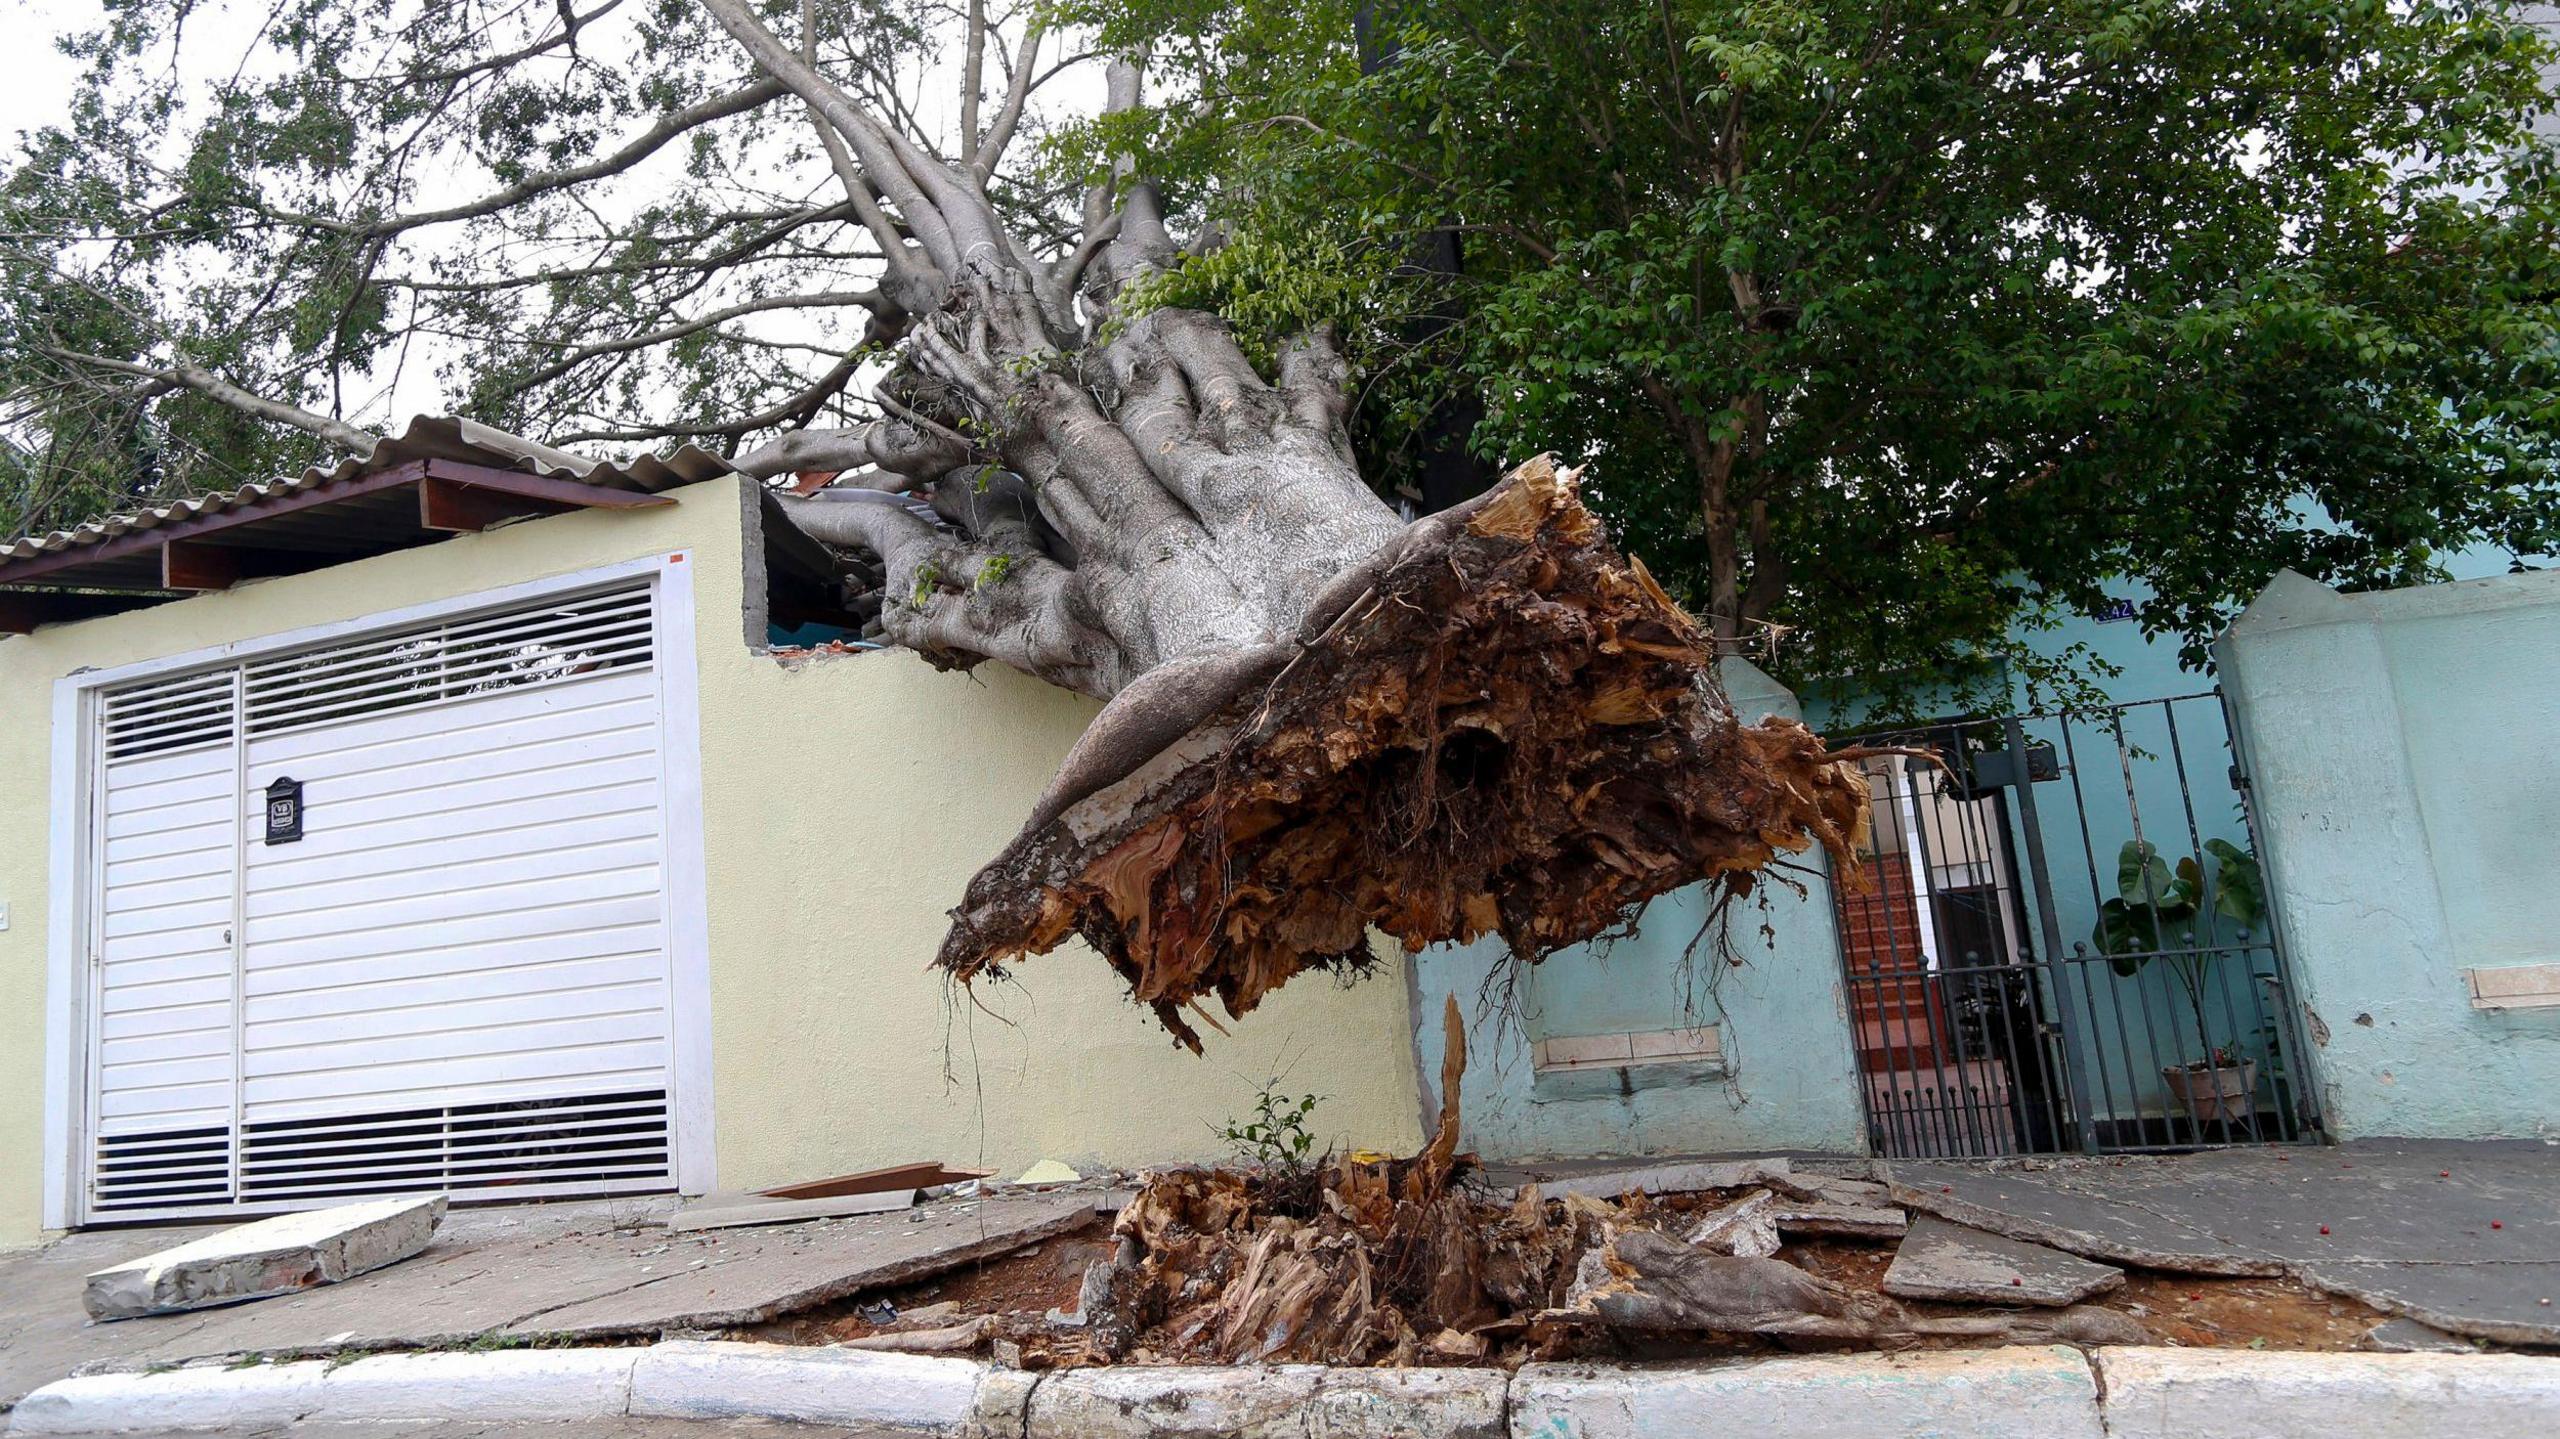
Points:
(1019, 1288)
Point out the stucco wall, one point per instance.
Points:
(2400, 745)
(1790, 1080)
(845, 802)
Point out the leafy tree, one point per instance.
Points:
(1894, 325)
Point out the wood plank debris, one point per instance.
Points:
(922, 1175)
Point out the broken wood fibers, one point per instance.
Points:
(1390, 1262)
(1514, 731)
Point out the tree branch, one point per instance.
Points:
(648, 142)
(212, 386)
(1018, 88)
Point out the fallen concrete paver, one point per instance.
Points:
(1848, 1220)
(2458, 1234)
(1950, 1263)
(283, 1255)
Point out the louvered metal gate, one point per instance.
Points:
(454, 977)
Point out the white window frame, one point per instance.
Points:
(67, 1123)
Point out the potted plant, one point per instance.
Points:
(2155, 919)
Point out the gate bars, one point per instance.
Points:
(2065, 943)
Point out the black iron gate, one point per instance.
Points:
(2065, 943)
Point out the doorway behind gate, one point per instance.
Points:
(2062, 944)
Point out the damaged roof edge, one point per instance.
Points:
(441, 437)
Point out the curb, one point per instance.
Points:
(2047, 1393)
(2029, 1393)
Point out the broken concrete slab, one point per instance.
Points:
(1844, 1220)
(283, 1255)
(738, 1211)
(489, 1271)
(1953, 1264)
(2408, 1336)
(1745, 1228)
(808, 1265)
(1831, 1189)
(1686, 1177)
(2499, 1301)
(2457, 1234)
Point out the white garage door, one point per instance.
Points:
(455, 977)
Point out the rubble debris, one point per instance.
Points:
(731, 1210)
(961, 1338)
(1950, 1263)
(1047, 1171)
(1658, 1284)
(1747, 1228)
(283, 1255)
(1405, 1262)
(927, 1174)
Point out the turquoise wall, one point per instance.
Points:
(1788, 1080)
(2401, 747)
(2123, 1031)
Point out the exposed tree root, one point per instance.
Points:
(1508, 729)
(1395, 1262)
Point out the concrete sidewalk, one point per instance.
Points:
(590, 1271)
(2464, 1236)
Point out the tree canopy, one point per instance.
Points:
(596, 224)
(1896, 325)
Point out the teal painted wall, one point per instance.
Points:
(2401, 746)
(1789, 1080)
(2124, 786)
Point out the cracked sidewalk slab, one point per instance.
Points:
(2459, 1234)
(586, 1270)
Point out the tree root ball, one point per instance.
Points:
(1512, 731)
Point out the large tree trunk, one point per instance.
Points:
(1320, 719)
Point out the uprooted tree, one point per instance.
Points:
(1320, 718)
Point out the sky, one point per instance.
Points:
(35, 79)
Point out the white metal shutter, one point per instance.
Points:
(457, 979)
(166, 851)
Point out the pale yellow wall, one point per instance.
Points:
(845, 804)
